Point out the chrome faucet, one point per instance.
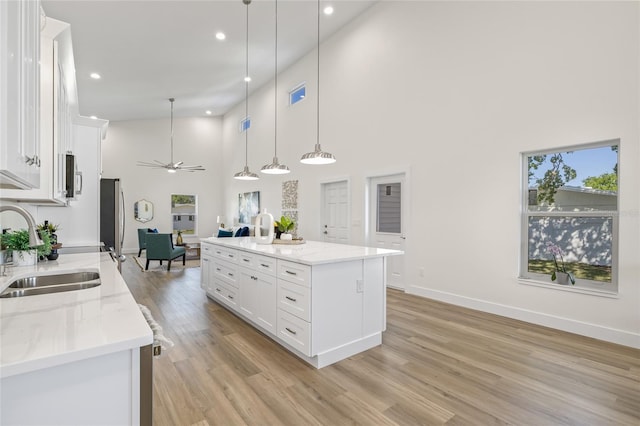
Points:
(34, 238)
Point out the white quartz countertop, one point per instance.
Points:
(309, 253)
(46, 330)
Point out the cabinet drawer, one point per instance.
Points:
(294, 331)
(225, 293)
(225, 271)
(225, 253)
(294, 299)
(294, 272)
(207, 250)
(246, 259)
(265, 264)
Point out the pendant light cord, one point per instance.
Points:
(275, 109)
(318, 86)
(246, 93)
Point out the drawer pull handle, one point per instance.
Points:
(290, 331)
(264, 266)
(291, 298)
(206, 260)
(230, 255)
(218, 290)
(218, 269)
(254, 278)
(231, 297)
(230, 274)
(218, 252)
(246, 260)
(290, 273)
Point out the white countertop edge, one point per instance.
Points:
(9, 370)
(343, 250)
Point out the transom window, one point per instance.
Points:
(570, 217)
(245, 124)
(297, 94)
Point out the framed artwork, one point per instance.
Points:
(248, 206)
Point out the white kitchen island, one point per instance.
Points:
(324, 302)
(72, 358)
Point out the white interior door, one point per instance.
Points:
(387, 222)
(335, 213)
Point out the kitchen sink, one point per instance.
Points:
(52, 283)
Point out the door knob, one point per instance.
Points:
(325, 232)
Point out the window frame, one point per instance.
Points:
(538, 279)
(241, 125)
(294, 90)
(178, 217)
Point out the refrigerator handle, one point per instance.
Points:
(122, 222)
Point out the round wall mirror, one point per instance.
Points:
(143, 210)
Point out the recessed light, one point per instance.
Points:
(95, 76)
(247, 79)
(328, 10)
(93, 117)
(208, 112)
(220, 35)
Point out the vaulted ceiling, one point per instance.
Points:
(147, 51)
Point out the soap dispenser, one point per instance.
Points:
(264, 228)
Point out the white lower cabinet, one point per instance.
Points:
(295, 332)
(323, 313)
(258, 298)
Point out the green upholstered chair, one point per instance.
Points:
(160, 247)
(142, 239)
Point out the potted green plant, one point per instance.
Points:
(49, 229)
(285, 226)
(17, 244)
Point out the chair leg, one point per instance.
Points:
(160, 262)
(146, 268)
(169, 266)
(139, 252)
(184, 257)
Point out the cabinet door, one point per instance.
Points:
(249, 293)
(19, 94)
(205, 270)
(266, 315)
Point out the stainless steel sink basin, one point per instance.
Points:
(53, 283)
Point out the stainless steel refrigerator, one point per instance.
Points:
(112, 217)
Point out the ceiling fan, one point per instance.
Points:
(172, 166)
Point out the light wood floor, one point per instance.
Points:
(438, 364)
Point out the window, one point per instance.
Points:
(570, 207)
(389, 207)
(245, 124)
(184, 209)
(297, 94)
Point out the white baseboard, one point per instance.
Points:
(613, 335)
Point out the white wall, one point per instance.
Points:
(196, 142)
(453, 92)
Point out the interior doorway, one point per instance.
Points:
(387, 221)
(335, 212)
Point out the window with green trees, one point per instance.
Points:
(570, 216)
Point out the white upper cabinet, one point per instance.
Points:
(58, 109)
(19, 94)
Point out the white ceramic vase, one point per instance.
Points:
(263, 228)
(24, 257)
(286, 237)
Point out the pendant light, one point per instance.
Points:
(245, 174)
(171, 166)
(275, 168)
(318, 156)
